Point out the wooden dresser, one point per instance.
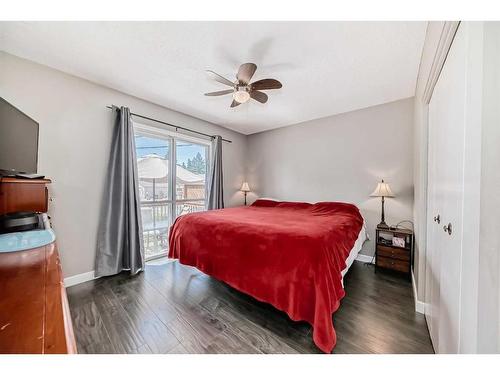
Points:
(391, 257)
(34, 311)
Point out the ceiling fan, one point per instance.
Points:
(242, 89)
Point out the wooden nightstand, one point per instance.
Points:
(394, 258)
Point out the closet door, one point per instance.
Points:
(446, 183)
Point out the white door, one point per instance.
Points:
(446, 162)
(172, 182)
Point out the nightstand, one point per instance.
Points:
(391, 257)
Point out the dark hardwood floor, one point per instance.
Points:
(171, 308)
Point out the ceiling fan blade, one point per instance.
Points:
(259, 96)
(220, 78)
(246, 72)
(219, 93)
(235, 103)
(266, 84)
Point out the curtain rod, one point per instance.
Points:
(174, 126)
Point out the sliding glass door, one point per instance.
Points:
(172, 182)
(190, 187)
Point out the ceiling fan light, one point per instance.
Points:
(241, 96)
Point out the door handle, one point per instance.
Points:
(447, 228)
(437, 219)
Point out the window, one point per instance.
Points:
(191, 185)
(172, 182)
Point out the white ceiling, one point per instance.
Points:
(325, 67)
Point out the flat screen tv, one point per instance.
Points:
(18, 141)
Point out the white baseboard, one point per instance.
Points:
(78, 279)
(419, 305)
(364, 258)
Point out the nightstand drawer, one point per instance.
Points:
(391, 252)
(393, 264)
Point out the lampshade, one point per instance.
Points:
(382, 190)
(245, 187)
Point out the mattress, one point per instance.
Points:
(353, 254)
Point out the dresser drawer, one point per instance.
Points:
(393, 264)
(393, 253)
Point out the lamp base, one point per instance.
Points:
(382, 225)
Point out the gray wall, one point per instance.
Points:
(340, 158)
(75, 137)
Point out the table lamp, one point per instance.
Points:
(245, 189)
(382, 190)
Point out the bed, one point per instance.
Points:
(292, 255)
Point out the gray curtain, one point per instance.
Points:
(215, 186)
(119, 242)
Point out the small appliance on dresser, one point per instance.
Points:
(394, 250)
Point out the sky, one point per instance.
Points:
(148, 145)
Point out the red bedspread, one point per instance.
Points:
(288, 254)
